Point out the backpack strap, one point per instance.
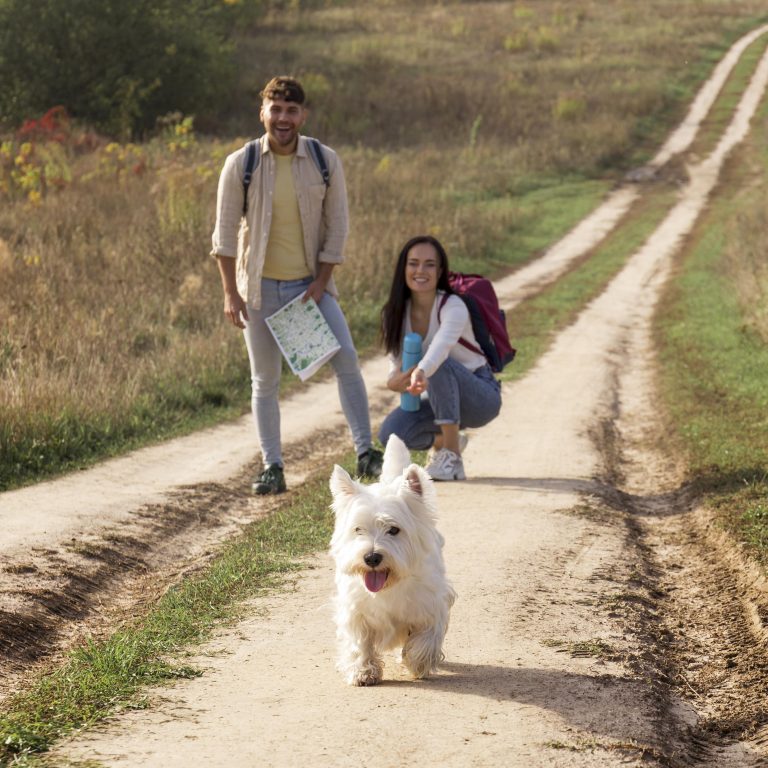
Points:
(252, 158)
(316, 151)
(464, 343)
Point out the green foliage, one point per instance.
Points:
(116, 65)
(715, 369)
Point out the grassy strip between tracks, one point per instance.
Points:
(714, 372)
(106, 675)
(712, 333)
(719, 116)
(536, 321)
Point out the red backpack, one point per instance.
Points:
(489, 322)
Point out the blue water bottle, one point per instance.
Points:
(411, 356)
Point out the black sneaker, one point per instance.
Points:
(369, 463)
(271, 480)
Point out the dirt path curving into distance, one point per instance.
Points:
(583, 573)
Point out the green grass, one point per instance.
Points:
(105, 675)
(718, 366)
(544, 210)
(714, 375)
(721, 113)
(714, 357)
(52, 443)
(535, 322)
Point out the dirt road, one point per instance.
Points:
(591, 626)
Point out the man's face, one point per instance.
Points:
(282, 121)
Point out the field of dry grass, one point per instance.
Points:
(494, 125)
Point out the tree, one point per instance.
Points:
(115, 64)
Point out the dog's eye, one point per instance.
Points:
(358, 531)
(393, 531)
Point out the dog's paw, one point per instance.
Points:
(365, 674)
(423, 653)
(366, 677)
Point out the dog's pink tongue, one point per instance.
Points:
(375, 580)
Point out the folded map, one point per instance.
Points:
(304, 336)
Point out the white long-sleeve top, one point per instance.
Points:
(442, 339)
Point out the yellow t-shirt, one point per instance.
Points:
(285, 258)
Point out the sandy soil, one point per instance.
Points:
(591, 627)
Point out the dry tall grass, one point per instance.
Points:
(575, 84)
(110, 308)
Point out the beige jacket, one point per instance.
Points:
(324, 214)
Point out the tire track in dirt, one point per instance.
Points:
(550, 548)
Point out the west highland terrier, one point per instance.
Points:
(391, 586)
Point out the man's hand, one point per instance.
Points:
(317, 287)
(234, 306)
(235, 309)
(315, 291)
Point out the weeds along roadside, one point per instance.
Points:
(712, 334)
(112, 334)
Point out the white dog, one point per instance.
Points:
(391, 586)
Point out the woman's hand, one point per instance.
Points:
(418, 382)
(399, 381)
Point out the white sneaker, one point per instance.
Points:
(446, 465)
(463, 440)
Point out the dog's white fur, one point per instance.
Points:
(389, 527)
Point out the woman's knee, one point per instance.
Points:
(475, 416)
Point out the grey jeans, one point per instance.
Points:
(456, 395)
(266, 363)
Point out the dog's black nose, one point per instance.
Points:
(372, 559)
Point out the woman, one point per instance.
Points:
(461, 388)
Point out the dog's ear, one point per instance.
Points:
(418, 482)
(342, 485)
(396, 459)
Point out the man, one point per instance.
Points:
(292, 237)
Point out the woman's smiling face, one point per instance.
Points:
(422, 268)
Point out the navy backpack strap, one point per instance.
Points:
(252, 157)
(319, 158)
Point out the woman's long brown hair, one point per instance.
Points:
(393, 312)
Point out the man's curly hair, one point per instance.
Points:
(285, 88)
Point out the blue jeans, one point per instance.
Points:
(266, 364)
(456, 396)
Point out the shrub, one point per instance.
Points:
(117, 66)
